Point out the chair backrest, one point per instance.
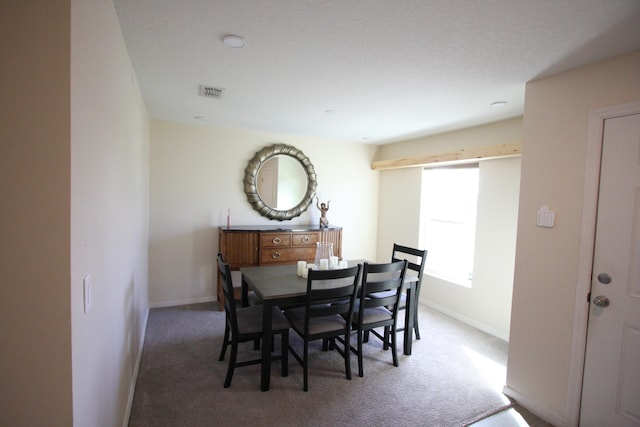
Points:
(331, 292)
(385, 280)
(229, 298)
(416, 260)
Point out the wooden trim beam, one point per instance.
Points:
(464, 155)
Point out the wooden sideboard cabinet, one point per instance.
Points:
(247, 246)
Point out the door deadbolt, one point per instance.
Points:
(604, 278)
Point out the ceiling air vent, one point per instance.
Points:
(210, 91)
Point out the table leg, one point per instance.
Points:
(265, 379)
(245, 293)
(409, 317)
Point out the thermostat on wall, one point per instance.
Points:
(546, 217)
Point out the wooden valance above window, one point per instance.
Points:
(472, 154)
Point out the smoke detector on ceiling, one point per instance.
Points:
(210, 91)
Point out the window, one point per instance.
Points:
(448, 221)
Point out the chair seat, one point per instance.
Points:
(317, 325)
(371, 315)
(381, 294)
(250, 320)
(402, 304)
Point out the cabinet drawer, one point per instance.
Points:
(275, 239)
(306, 239)
(286, 255)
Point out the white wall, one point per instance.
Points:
(546, 269)
(487, 304)
(196, 176)
(109, 216)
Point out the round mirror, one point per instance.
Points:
(280, 182)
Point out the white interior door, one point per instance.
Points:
(268, 182)
(611, 384)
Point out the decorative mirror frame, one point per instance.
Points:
(251, 189)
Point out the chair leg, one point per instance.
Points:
(224, 343)
(305, 365)
(347, 353)
(360, 339)
(394, 350)
(385, 341)
(416, 325)
(366, 336)
(285, 353)
(232, 364)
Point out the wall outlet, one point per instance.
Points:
(86, 293)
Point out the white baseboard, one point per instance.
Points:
(136, 368)
(469, 321)
(182, 302)
(535, 408)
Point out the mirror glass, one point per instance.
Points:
(280, 182)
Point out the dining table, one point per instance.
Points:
(280, 285)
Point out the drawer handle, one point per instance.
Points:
(276, 240)
(305, 239)
(275, 255)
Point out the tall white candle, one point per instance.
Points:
(302, 266)
(324, 264)
(333, 262)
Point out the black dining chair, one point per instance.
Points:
(326, 314)
(416, 259)
(377, 305)
(245, 324)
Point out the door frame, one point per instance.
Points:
(586, 251)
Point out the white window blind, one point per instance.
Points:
(448, 221)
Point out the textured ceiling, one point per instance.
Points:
(371, 71)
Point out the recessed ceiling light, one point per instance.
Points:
(233, 41)
(499, 104)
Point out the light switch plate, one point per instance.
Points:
(546, 217)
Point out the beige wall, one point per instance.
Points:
(73, 201)
(487, 304)
(546, 271)
(35, 196)
(196, 176)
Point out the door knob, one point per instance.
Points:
(601, 301)
(604, 278)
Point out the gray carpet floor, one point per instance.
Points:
(454, 376)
